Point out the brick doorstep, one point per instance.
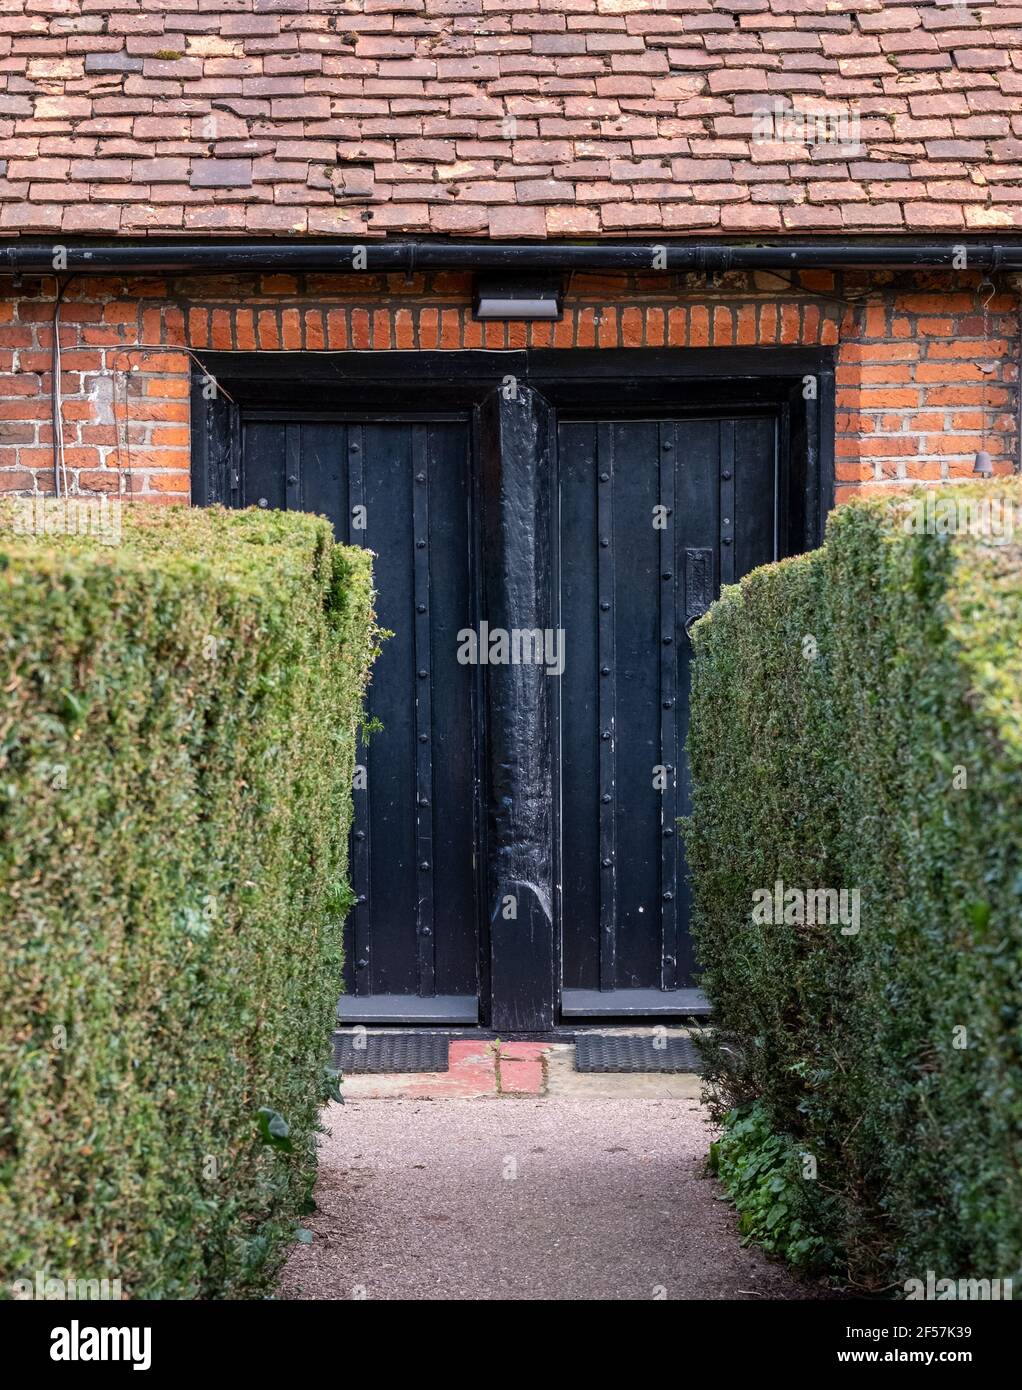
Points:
(521, 1068)
(472, 1075)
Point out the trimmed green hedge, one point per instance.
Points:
(177, 729)
(857, 724)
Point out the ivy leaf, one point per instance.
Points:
(274, 1130)
(256, 1251)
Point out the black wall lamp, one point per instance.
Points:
(512, 298)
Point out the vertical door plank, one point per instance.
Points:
(455, 713)
(578, 723)
(668, 660)
(423, 661)
(606, 700)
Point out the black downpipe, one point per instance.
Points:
(227, 257)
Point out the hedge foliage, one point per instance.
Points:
(857, 724)
(177, 728)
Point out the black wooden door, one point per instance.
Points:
(653, 516)
(557, 791)
(402, 488)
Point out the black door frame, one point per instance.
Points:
(512, 399)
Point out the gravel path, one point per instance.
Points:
(555, 1197)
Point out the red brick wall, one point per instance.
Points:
(912, 390)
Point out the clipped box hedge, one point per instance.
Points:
(890, 762)
(177, 727)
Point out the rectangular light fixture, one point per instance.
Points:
(517, 299)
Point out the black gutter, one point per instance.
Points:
(227, 257)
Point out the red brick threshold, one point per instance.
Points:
(520, 1068)
(475, 1071)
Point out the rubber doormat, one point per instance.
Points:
(393, 1052)
(611, 1052)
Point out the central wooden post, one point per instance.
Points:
(516, 446)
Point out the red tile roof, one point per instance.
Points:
(509, 118)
